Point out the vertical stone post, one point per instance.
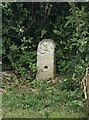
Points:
(46, 60)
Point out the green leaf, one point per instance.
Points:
(57, 32)
(43, 32)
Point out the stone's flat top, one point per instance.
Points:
(47, 40)
(46, 45)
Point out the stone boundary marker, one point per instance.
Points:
(46, 60)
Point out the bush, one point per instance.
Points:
(25, 24)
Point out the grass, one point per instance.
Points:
(41, 100)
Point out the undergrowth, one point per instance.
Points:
(39, 99)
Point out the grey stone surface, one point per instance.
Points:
(46, 60)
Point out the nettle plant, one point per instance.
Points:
(79, 43)
(23, 59)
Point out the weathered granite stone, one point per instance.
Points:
(46, 60)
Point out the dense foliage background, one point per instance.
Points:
(26, 24)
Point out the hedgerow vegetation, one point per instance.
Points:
(24, 25)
